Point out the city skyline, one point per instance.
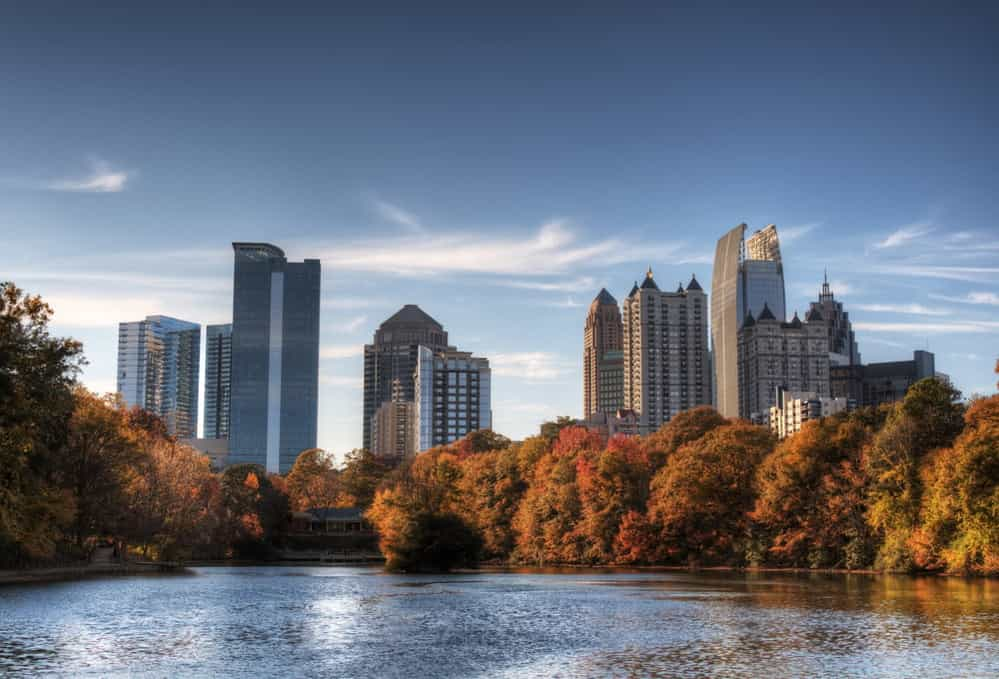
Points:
(399, 161)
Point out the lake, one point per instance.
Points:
(359, 622)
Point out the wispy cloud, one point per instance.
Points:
(398, 216)
(987, 298)
(904, 235)
(965, 356)
(792, 233)
(971, 274)
(533, 366)
(201, 284)
(350, 325)
(102, 179)
(929, 328)
(348, 303)
(574, 285)
(335, 351)
(567, 303)
(884, 342)
(105, 308)
(916, 309)
(553, 249)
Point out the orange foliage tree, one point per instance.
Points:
(702, 497)
(811, 503)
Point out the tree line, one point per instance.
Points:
(77, 468)
(904, 487)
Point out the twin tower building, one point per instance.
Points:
(261, 372)
(651, 359)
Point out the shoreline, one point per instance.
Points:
(87, 570)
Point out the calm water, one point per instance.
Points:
(358, 622)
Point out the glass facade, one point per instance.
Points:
(158, 365)
(452, 396)
(761, 282)
(390, 361)
(275, 357)
(748, 274)
(218, 370)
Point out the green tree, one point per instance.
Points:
(550, 430)
(960, 509)
(359, 477)
(37, 374)
(929, 417)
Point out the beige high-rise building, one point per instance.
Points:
(392, 435)
(602, 368)
(666, 367)
(791, 355)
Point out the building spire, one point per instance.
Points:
(826, 292)
(648, 274)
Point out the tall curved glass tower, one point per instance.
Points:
(748, 274)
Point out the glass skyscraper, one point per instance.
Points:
(747, 275)
(390, 362)
(158, 362)
(275, 357)
(218, 375)
(452, 396)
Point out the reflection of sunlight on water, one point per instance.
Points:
(106, 648)
(346, 623)
(333, 621)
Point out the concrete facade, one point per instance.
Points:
(666, 366)
(791, 355)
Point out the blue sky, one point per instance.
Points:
(498, 167)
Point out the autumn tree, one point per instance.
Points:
(313, 481)
(417, 518)
(37, 374)
(253, 510)
(490, 488)
(929, 417)
(359, 477)
(550, 430)
(960, 510)
(96, 462)
(811, 500)
(480, 441)
(547, 521)
(687, 426)
(172, 500)
(612, 483)
(701, 498)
